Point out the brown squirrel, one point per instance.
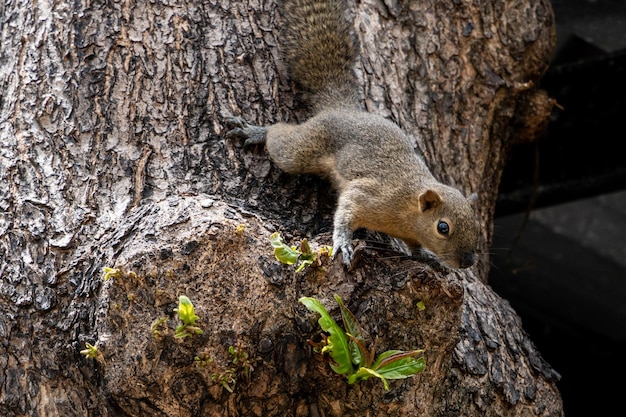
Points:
(383, 184)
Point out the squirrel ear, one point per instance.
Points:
(472, 198)
(429, 199)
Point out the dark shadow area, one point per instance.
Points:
(564, 267)
(566, 278)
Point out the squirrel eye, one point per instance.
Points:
(443, 227)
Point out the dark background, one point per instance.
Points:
(559, 249)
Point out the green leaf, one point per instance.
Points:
(397, 364)
(364, 373)
(350, 323)
(337, 345)
(186, 311)
(304, 264)
(111, 273)
(360, 355)
(384, 356)
(90, 352)
(282, 252)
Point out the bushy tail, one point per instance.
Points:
(320, 51)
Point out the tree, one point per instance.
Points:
(112, 156)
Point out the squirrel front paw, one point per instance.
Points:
(347, 252)
(241, 129)
(343, 243)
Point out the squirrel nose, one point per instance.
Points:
(467, 259)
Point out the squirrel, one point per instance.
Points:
(383, 184)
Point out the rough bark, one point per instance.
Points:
(111, 155)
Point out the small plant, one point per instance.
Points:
(240, 230)
(348, 353)
(188, 316)
(157, 327)
(241, 360)
(227, 378)
(117, 273)
(111, 273)
(90, 352)
(290, 255)
(203, 360)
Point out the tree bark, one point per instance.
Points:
(112, 155)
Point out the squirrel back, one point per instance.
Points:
(320, 49)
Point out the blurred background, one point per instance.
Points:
(559, 249)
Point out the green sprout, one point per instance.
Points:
(228, 377)
(90, 352)
(188, 316)
(156, 328)
(241, 360)
(348, 353)
(290, 255)
(111, 273)
(203, 360)
(225, 379)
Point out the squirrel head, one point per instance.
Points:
(446, 225)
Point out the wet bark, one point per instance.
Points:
(112, 155)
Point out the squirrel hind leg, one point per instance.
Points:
(240, 129)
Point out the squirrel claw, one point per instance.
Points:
(347, 252)
(236, 126)
(235, 133)
(234, 121)
(241, 129)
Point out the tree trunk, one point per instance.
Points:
(112, 155)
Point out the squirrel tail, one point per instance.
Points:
(321, 50)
